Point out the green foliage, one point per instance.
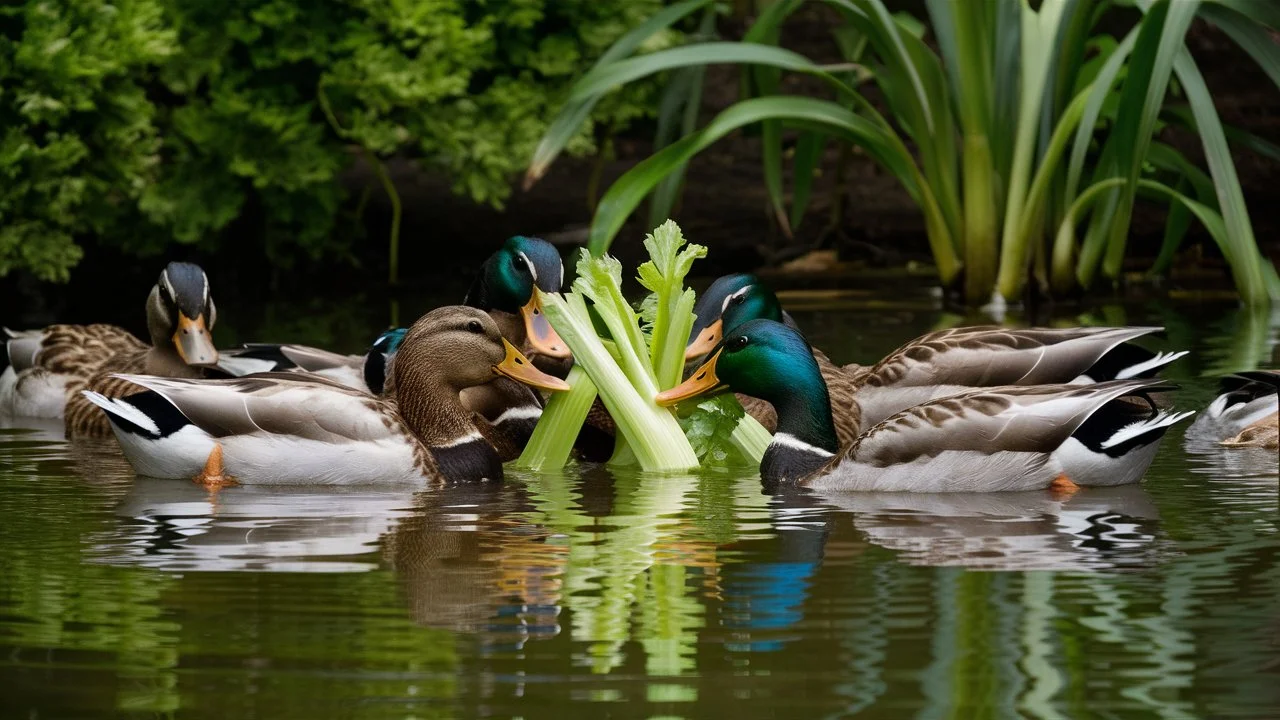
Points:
(1019, 126)
(78, 140)
(140, 122)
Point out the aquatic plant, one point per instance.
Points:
(1023, 125)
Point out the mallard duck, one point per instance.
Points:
(934, 365)
(49, 367)
(1245, 414)
(289, 428)
(997, 438)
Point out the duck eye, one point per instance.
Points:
(475, 327)
(739, 342)
(737, 299)
(518, 261)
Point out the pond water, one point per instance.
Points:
(589, 594)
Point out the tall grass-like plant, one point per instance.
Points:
(1025, 139)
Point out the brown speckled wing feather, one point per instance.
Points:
(83, 419)
(83, 350)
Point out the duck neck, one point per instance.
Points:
(163, 360)
(433, 412)
(806, 438)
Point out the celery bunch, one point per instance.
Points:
(642, 355)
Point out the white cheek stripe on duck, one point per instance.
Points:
(791, 441)
(532, 270)
(519, 413)
(729, 299)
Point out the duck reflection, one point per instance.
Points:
(178, 526)
(1092, 529)
(470, 560)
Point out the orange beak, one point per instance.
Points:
(517, 367)
(705, 342)
(701, 382)
(193, 341)
(540, 335)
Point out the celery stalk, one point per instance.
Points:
(553, 437)
(751, 439)
(653, 433)
(671, 303)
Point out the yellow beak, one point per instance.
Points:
(518, 368)
(702, 381)
(541, 336)
(705, 342)
(195, 345)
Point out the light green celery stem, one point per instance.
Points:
(624, 326)
(653, 433)
(553, 437)
(670, 336)
(751, 439)
(1038, 33)
(623, 455)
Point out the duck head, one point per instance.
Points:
(730, 301)
(461, 347)
(768, 360)
(181, 314)
(507, 281)
(445, 352)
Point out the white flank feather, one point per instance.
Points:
(1161, 420)
(1160, 360)
(122, 409)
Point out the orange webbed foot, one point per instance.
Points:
(1062, 487)
(213, 476)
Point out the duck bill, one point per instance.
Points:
(517, 367)
(540, 335)
(701, 382)
(705, 342)
(193, 341)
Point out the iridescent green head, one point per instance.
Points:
(507, 281)
(730, 301)
(768, 360)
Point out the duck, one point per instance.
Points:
(49, 367)
(1005, 438)
(504, 288)
(933, 365)
(1245, 414)
(293, 428)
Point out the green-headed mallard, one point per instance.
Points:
(934, 365)
(996, 438)
(288, 428)
(49, 367)
(1245, 414)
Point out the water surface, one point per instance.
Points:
(590, 594)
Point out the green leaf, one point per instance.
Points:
(804, 168)
(573, 115)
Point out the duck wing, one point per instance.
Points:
(1021, 419)
(303, 406)
(949, 361)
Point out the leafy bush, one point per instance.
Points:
(140, 122)
(1022, 125)
(78, 140)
